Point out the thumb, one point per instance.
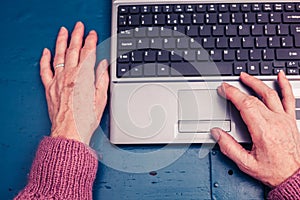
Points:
(232, 149)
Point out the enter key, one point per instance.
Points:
(288, 54)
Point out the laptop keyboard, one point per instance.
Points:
(208, 39)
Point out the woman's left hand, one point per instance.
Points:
(76, 98)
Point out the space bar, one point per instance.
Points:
(201, 69)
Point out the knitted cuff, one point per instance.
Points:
(62, 169)
(288, 190)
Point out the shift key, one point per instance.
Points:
(288, 54)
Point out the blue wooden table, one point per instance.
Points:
(29, 26)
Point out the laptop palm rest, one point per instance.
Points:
(200, 110)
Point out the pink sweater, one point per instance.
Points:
(66, 169)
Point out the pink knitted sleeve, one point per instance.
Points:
(62, 169)
(288, 190)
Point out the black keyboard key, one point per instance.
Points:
(194, 44)
(267, 7)
(163, 70)
(292, 64)
(229, 55)
(122, 10)
(287, 42)
(266, 68)
(237, 18)
(242, 55)
(134, 9)
(239, 67)
(253, 68)
(178, 8)
(208, 43)
(182, 43)
(234, 7)
(270, 30)
(292, 71)
(176, 56)
(282, 29)
(137, 56)
(224, 18)
(291, 18)
(234, 42)
(275, 18)
(289, 7)
(185, 18)
(133, 20)
(255, 54)
(274, 42)
(205, 30)
(248, 42)
(163, 56)
(288, 54)
(246, 7)
(192, 31)
(244, 30)
(279, 64)
(146, 20)
(257, 30)
(215, 55)
(201, 8)
(125, 33)
(262, 18)
(218, 30)
(123, 70)
(167, 9)
(223, 7)
(152, 31)
(211, 18)
(156, 43)
(140, 32)
(256, 7)
(231, 30)
(278, 7)
(156, 9)
(222, 43)
(136, 70)
(159, 19)
(124, 58)
(268, 54)
(172, 19)
(261, 42)
(198, 18)
(277, 70)
(189, 8)
(211, 8)
(149, 69)
(122, 20)
(189, 55)
(143, 43)
(127, 44)
(169, 43)
(146, 9)
(166, 32)
(202, 55)
(149, 56)
(249, 18)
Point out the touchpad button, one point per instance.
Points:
(203, 106)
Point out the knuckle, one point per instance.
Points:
(250, 102)
(271, 94)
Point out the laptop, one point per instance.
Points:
(168, 58)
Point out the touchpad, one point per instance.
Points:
(201, 110)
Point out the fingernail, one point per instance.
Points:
(282, 73)
(79, 23)
(92, 32)
(45, 51)
(215, 133)
(221, 89)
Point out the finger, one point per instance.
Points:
(269, 96)
(60, 48)
(89, 48)
(73, 51)
(232, 149)
(45, 68)
(102, 82)
(288, 99)
(251, 109)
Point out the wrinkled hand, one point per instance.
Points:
(275, 154)
(76, 98)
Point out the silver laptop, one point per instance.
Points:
(169, 57)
